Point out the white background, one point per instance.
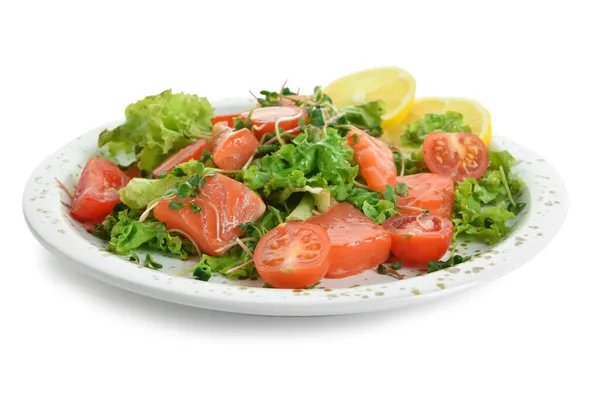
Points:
(67, 68)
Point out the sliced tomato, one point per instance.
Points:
(226, 118)
(418, 239)
(426, 191)
(264, 119)
(192, 152)
(232, 149)
(97, 191)
(456, 155)
(375, 159)
(357, 243)
(225, 204)
(294, 255)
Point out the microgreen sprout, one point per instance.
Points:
(391, 269)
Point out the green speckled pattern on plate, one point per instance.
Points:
(49, 220)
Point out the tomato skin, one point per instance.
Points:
(427, 191)
(357, 244)
(416, 246)
(226, 118)
(232, 149)
(225, 203)
(264, 119)
(192, 152)
(96, 193)
(294, 255)
(456, 155)
(375, 159)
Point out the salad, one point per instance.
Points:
(300, 187)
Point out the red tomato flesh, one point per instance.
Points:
(357, 243)
(375, 159)
(192, 152)
(294, 255)
(455, 155)
(418, 239)
(232, 149)
(427, 192)
(226, 118)
(97, 191)
(225, 204)
(264, 119)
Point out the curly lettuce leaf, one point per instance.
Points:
(411, 162)
(156, 127)
(369, 202)
(365, 116)
(317, 160)
(485, 209)
(139, 192)
(126, 233)
(311, 160)
(450, 121)
(222, 264)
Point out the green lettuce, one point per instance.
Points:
(125, 233)
(485, 209)
(320, 160)
(311, 160)
(222, 264)
(139, 192)
(365, 116)
(156, 127)
(450, 121)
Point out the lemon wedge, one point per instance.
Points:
(474, 114)
(392, 85)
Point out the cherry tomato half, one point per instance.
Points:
(456, 155)
(294, 255)
(97, 191)
(418, 239)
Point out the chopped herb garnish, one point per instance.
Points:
(202, 273)
(195, 208)
(133, 257)
(175, 205)
(402, 189)
(397, 265)
(454, 260)
(150, 263)
(389, 194)
(206, 155)
(178, 172)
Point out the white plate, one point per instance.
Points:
(51, 224)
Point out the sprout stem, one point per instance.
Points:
(284, 119)
(239, 266)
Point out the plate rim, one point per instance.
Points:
(118, 272)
